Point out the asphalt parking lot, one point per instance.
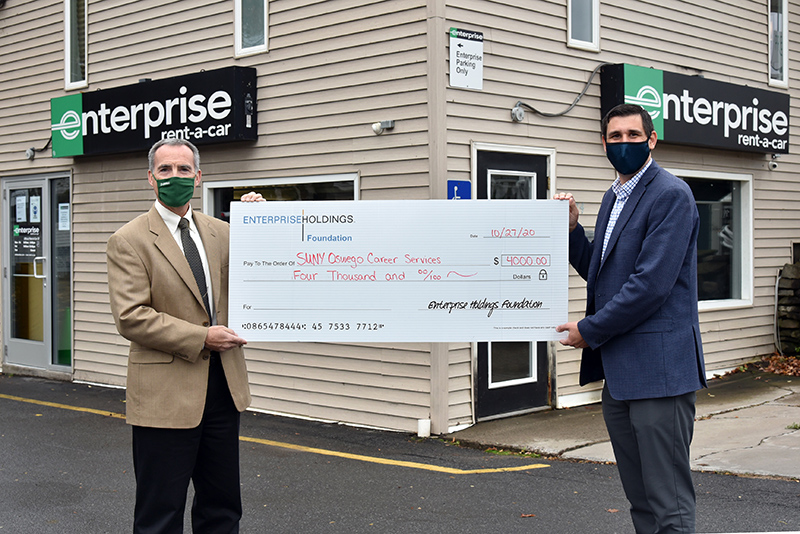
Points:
(66, 469)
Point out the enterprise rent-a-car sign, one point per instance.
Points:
(692, 110)
(215, 106)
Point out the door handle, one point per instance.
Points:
(40, 260)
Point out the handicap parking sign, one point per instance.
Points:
(459, 189)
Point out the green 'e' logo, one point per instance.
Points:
(645, 87)
(66, 113)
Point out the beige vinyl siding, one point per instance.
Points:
(384, 385)
(460, 385)
(31, 42)
(725, 41)
(104, 197)
(526, 59)
(331, 75)
(738, 335)
(370, 385)
(333, 68)
(32, 69)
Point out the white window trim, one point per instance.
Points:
(68, 85)
(209, 186)
(746, 183)
(784, 83)
(477, 146)
(532, 357)
(491, 173)
(594, 44)
(239, 51)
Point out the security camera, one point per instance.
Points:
(773, 165)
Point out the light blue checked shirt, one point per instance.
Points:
(623, 192)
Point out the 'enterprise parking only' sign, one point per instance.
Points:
(206, 107)
(692, 110)
(466, 59)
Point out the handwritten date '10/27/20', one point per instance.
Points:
(505, 232)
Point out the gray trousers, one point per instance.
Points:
(651, 439)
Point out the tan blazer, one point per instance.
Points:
(157, 306)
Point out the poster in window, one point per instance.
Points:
(63, 217)
(22, 209)
(36, 209)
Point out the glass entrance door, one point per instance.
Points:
(37, 268)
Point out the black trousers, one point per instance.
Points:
(651, 439)
(165, 459)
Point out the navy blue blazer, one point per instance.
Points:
(641, 321)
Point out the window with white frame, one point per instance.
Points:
(778, 43)
(583, 24)
(219, 195)
(250, 27)
(724, 243)
(74, 44)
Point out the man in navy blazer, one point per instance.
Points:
(641, 331)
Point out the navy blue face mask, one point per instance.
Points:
(627, 158)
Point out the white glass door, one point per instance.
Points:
(36, 272)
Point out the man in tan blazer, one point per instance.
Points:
(187, 381)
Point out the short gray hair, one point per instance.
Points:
(172, 142)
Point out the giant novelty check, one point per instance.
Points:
(399, 271)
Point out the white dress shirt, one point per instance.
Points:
(171, 220)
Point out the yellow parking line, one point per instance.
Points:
(385, 461)
(64, 406)
(301, 448)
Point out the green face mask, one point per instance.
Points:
(175, 191)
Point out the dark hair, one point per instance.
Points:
(172, 142)
(626, 110)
